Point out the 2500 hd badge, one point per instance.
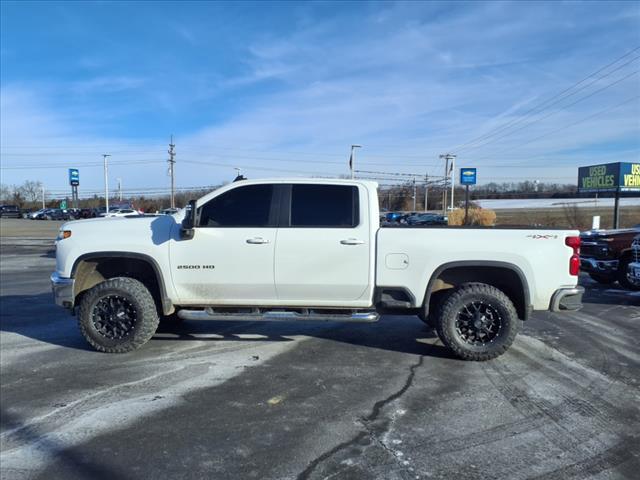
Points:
(196, 267)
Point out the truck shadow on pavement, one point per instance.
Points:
(402, 334)
(34, 316)
(72, 458)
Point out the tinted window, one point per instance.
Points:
(324, 206)
(241, 207)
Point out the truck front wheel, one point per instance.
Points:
(477, 321)
(118, 315)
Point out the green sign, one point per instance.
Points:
(609, 177)
(63, 204)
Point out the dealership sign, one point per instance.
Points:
(609, 177)
(468, 176)
(74, 177)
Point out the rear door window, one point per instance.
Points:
(324, 206)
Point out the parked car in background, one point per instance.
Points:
(55, 214)
(122, 212)
(9, 211)
(633, 272)
(38, 214)
(394, 216)
(26, 213)
(86, 213)
(427, 219)
(606, 254)
(73, 212)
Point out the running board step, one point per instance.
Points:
(278, 316)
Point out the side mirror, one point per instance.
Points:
(189, 222)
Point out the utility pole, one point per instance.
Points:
(43, 202)
(106, 182)
(120, 189)
(172, 161)
(452, 175)
(447, 171)
(352, 158)
(426, 192)
(414, 194)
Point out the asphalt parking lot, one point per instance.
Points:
(313, 400)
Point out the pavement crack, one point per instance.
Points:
(366, 423)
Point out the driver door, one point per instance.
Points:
(229, 260)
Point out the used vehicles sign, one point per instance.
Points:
(609, 177)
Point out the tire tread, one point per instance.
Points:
(148, 315)
(448, 308)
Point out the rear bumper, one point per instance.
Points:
(62, 290)
(591, 265)
(567, 299)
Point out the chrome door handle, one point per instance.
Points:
(257, 241)
(351, 241)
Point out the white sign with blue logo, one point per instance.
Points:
(468, 176)
(74, 177)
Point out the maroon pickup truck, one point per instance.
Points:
(605, 255)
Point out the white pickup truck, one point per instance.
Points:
(292, 249)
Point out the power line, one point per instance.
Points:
(554, 112)
(546, 102)
(566, 126)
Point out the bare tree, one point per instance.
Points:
(5, 192)
(31, 191)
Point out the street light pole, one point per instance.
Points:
(120, 189)
(106, 182)
(43, 202)
(426, 193)
(447, 171)
(352, 158)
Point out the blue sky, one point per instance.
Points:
(278, 88)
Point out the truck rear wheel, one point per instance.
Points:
(118, 315)
(477, 321)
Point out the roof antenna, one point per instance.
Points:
(239, 176)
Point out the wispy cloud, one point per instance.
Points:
(107, 84)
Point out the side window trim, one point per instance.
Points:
(283, 191)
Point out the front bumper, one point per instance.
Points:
(591, 265)
(62, 290)
(567, 299)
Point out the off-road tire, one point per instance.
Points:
(623, 267)
(138, 296)
(482, 294)
(603, 279)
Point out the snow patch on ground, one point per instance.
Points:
(496, 204)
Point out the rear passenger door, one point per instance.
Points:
(323, 248)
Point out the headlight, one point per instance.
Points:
(62, 234)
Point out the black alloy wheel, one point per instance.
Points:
(478, 323)
(114, 317)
